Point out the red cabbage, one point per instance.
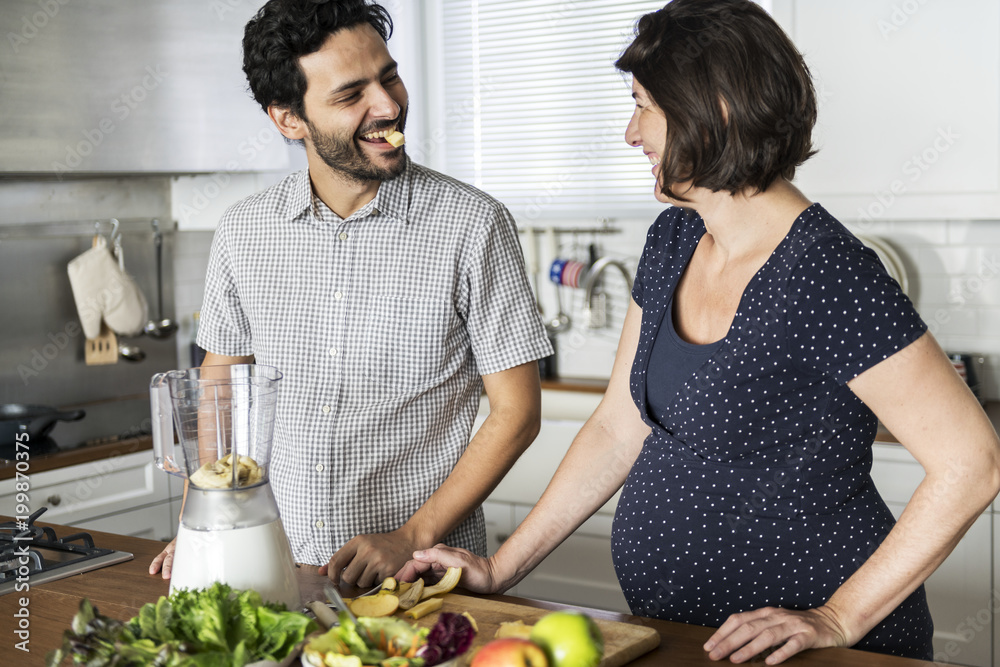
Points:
(451, 636)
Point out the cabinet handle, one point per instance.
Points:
(501, 538)
(54, 500)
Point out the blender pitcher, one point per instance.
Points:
(230, 530)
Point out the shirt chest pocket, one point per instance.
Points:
(409, 342)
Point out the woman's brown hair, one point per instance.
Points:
(737, 95)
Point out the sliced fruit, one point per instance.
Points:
(448, 582)
(397, 139)
(388, 586)
(412, 595)
(424, 608)
(513, 629)
(475, 626)
(375, 605)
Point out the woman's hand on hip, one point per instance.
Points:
(744, 636)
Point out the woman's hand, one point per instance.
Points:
(478, 573)
(746, 635)
(165, 561)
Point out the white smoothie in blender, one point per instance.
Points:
(230, 528)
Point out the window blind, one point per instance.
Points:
(537, 109)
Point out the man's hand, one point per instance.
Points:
(368, 559)
(746, 635)
(165, 561)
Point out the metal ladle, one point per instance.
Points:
(131, 352)
(561, 321)
(163, 327)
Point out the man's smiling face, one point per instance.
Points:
(354, 98)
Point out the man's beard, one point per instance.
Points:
(344, 155)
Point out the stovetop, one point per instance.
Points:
(31, 555)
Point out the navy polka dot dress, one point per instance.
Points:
(753, 488)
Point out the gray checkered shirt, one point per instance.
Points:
(382, 325)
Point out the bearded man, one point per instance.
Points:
(389, 295)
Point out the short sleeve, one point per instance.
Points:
(223, 326)
(656, 241)
(846, 313)
(499, 309)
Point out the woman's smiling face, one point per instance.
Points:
(647, 129)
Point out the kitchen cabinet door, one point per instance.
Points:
(152, 523)
(579, 571)
(92, 490)
(499, 525)
(959, 592)
(908, 121)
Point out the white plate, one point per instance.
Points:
(890, 260)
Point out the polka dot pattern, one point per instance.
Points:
(753, 488)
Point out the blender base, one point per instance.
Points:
(256, 558)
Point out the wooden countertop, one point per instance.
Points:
(120, 590)
(82, 454)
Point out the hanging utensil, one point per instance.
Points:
(162, 327)
(561, 321)
(130, 352)
(103, 349)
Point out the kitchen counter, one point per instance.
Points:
(120, 590)
(82, 454)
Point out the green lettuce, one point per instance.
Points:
(212, 627)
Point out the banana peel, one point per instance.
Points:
(412, 596)
(447, 583)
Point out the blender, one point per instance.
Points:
(230, 530)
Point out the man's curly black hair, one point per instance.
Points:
(285, 30)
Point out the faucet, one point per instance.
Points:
(595, 313)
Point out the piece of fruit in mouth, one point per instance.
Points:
(393, 137)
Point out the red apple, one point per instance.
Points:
(510, 652)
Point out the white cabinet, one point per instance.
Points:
(124, 495)
(909, 98)
(959, 591)
(579, 571)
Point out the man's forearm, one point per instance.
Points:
(513, 423)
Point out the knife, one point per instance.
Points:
(333, 595)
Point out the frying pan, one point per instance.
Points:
(35, 420)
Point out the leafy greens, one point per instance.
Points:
(212, 627)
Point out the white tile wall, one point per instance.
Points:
(953, 267)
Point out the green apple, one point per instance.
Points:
(510, 652)
(570, 639)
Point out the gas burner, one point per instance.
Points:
(34, 555)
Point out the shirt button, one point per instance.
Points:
(333, 351)
(338, 295)
(320, 524)
(343, 236)
(326, 409)
(320, 467)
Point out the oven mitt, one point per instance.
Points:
(101, 288)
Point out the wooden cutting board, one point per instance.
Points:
(623, 642)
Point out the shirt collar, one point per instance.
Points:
(392, 198)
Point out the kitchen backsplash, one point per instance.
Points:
(953, 268)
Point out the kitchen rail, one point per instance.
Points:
(120, 590)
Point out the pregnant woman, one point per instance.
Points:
(763, 343)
